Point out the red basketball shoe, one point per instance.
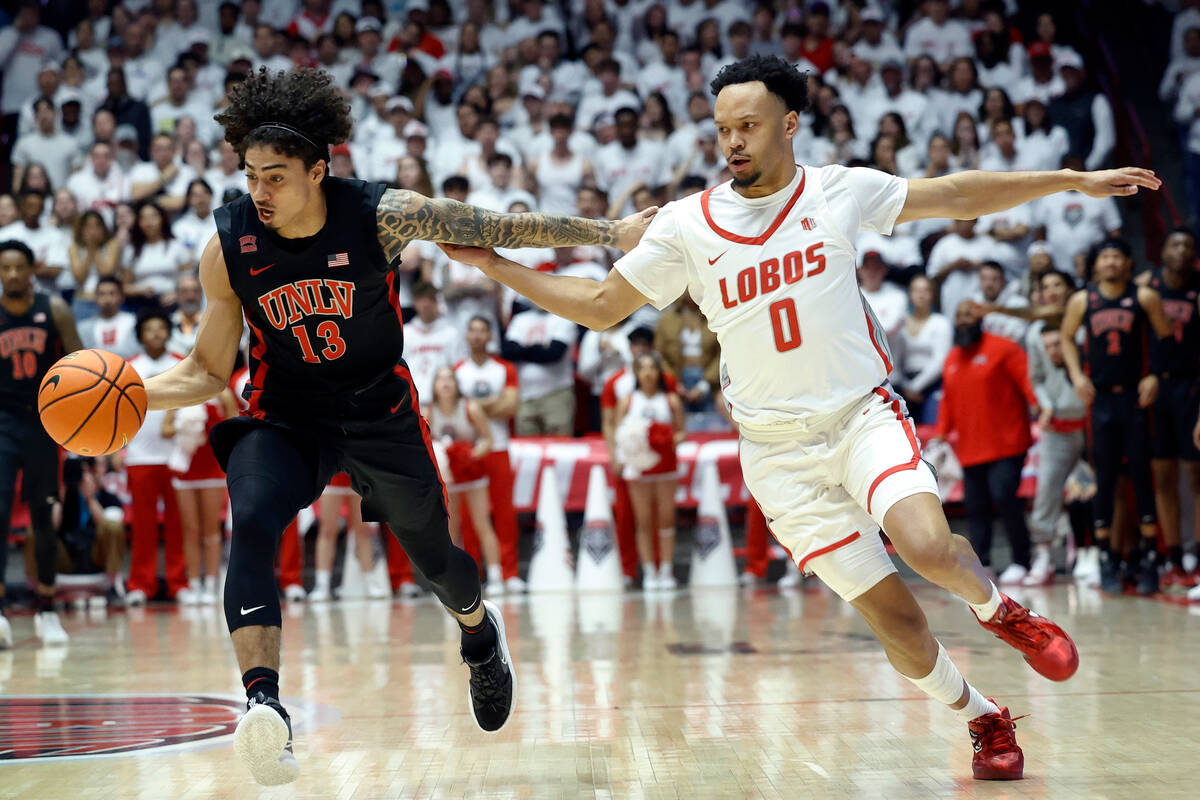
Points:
(997, 756)
(1046, 647)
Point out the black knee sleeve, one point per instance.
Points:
(269, 480)
(452, 573)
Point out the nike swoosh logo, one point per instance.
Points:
(471, 604)
(246, 611)
(260, 270)
(52, 381)
(712, 261)
(395, 408)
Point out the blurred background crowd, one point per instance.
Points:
(113, 166)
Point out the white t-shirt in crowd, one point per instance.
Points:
(149, 446)
(99, 194)
(428, 348)
(1074, 222)
(194, 233)
(488, 379)
(117, 334)
(537, 327)
(158, 264)
(617, 168)
(775, 278)
(944, 42)
(925, 354)
(56, 152)
(890, 304)
(148, 172)
(960, 285)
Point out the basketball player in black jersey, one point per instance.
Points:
(1116, 313)
(309, 261)
(35, 331)
(1178, 402)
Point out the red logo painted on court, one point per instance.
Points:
(248, 244)
(74, 726)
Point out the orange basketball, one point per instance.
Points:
(92, 402)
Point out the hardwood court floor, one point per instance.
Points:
(706, 694)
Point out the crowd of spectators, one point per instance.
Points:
(588, 107)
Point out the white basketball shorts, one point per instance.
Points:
(826, 486)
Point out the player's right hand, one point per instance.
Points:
(1085, 389)
(1116, 182)
(468, 254)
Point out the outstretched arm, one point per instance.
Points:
(971, 194)
(405, 215)
(1072, 319)
(597, 304)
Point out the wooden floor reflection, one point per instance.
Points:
(706, 694)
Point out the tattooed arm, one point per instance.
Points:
(404, 215)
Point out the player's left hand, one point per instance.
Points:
(1147, 390)
(631, 228)
(1116, 182)
(468, 254)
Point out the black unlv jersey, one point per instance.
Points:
(323, 311)
(1116, 338)
(1180, 306)
(29, 346)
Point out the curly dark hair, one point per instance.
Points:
(304, 99)
(781, 79)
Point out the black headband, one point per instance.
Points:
(289, 129)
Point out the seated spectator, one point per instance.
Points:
(1043, 82)
(45, 145)
(954, 261)
(936, 35)
(1181, 67)
(1044, 145)
(907, 154)
(500, 191)
(540, 344)
(93, 254)
(690, 351)
(196, 226)
(154, 257)
(1085, 113)
(110, 328)
(559, 174)
(49, 244)
(1073, 222)
(226, 174)
(964, 144)
(431, 341)
(100, 185)
(628, 160)
(1001, 154)
(185, 320)
(91, 527)
(160, 177)
(996, 290)
(888, 302)
(926, 338)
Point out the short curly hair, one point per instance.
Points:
(781, 78)
(304, 99)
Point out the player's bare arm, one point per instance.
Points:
(597, 304)
(1151, 302)
(64, 321)
(1072, 319)
(206, 370)
(405, 215)
(972, 194)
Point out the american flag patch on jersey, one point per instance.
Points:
(339, 260)
(808, 223)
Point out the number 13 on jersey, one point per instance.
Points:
(335, 345)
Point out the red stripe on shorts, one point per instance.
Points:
(912, 440)
(829, 548)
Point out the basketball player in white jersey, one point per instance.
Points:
(827, 448)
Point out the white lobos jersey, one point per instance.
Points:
(775, 277)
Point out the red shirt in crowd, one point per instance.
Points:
(986, 399)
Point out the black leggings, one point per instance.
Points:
(995, 484)
(1121, 430)
(25, 446)
(272, 473)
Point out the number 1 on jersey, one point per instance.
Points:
(786, 324)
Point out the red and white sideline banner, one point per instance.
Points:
(573, 459)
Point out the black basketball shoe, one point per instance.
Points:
(263, 741)
(1110, 575)
(493, 686)
(1147, 575)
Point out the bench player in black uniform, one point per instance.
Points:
(35, 331)
(1178, 402)
(1116, 385)
(309, 260)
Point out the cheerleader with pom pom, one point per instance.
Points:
(461, 439)
(650, 426)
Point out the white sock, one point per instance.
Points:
(647, 569)
(210, 583)
(194, 585)
(323, 576)
(944, 683)
(664, 569)
(986, 610)
(494, 575)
